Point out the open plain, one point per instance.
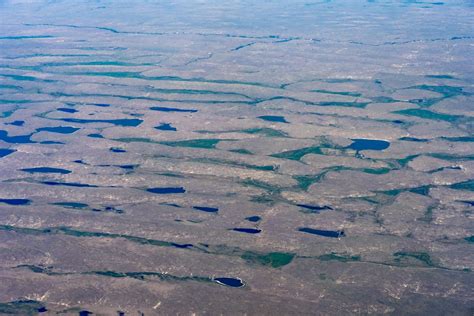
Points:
(236, 157)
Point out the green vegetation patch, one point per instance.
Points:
(360, 105)
(269, 132)
(272, 189)
(305, 181)
(298, 153)
(22, 307)
(338, 257)
(347, 93)
(136, 140)
(450, 157)
(466, 185)
(235, 164)
(272, 259)
(194, 143)
(429, 115)
(376, 170)
(423, 257)
(241, 151)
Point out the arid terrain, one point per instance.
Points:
(236, 157)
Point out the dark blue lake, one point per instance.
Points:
(20, 139)
(5, 152)
(59, 129)
(232, 282)
(165, 127)
(166, 109)
(369, 144)
(46, 170)
(273, 118)
(324, 233)
(206, 209)
(171, 190)
(15, 201)
(253, 218)
(247, 230)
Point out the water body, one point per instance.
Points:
(253, 218)
(167, 109)
(58, 129)
(206, 209)
(69, 184)
(166, 127)
(15, 201)
(116, 122)
(117, 150)
(414, 139)
(368, 144)
(315, 208)
(232, 282)
(16, 123)
(247, 230)
(51, 142)
(6, 151)
(324, 233)
(46, 170)
(67, 110)
(170, 190)
(94, 135)
(273, 118)
(20, 139)
(128, 167)
(74, 205)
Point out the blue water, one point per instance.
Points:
(117, 122)
(206, 209)
(46, 170)
(253, 218)
(316, 208)
(95, 136)
(21, 139)
(59, 129)
(15, 201)
(324, 233)
(273, 118)
(167, 190)
(5, 152)
(369, 144)
(247, 230)
(229, 282)
(165, 109)
(71, 204)
(128, 167)
(42, 309)
(183, 246)
(67, 110)
(16, 123)
(165, 127)
(69, 184)
(117, 150)
(51, 142)
(413, 139)
(171, 204)
(470, 203)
